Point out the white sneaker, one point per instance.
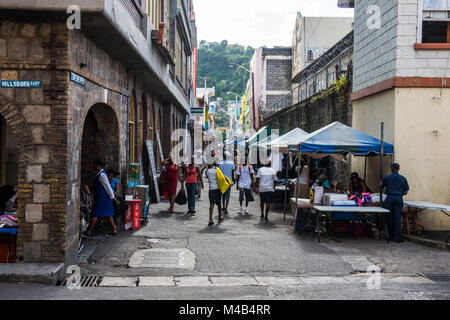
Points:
(246, 210)
(241, 210)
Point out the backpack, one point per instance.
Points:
(223, 181)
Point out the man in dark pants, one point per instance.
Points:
(396, 187)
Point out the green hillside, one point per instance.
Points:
(214, 60)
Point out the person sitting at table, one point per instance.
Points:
(326, 182)
(357, 185)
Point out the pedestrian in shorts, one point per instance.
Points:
(266, 180)
(215, 195)
(244, 183)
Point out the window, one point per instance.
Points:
(312, 55)
(179, 56)
(435, 21)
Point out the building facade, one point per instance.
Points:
(401, 78)
(104, 90)
(272, 72)
(313, 36)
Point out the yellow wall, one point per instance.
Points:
(424, 154)
(368, 114)
(411, 116)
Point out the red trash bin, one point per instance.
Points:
(133, 216)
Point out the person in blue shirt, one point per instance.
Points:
(227, 168)
(115, 186)
(396, 187)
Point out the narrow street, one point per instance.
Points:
(177, 256)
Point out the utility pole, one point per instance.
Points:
(253, 100)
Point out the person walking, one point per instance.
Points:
(172, 177)
(396, 187)
(244, 183)
(192, 178)
(115, 186)
(200, 162)
(214, 193)
(103, 199)
(227, 168)
(266, 180)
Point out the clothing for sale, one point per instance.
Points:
(245, 179)
(267, 176)
(8, 221)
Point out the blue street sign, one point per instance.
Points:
(77, 79)
(20, 84)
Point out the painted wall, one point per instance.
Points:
(316, 33)
(416, 121)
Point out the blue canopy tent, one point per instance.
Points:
(337, 138)
(340, 139)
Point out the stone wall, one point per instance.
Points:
(48, 123)
(37, 50)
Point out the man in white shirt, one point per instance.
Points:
(215, 195)
(266, 180)
(244, 183)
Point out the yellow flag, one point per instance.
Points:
(243, 109)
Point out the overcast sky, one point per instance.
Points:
(257, 22)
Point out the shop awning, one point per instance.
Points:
(292, 137)
(260, 135)
(338, 138)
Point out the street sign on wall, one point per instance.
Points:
(20, 84)
(77, 79)
(197, 110)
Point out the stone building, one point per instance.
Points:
(272, 79)
(318, 99)
(401, 77)
(98, 92)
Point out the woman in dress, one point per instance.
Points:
(103, 199)
(172, 176)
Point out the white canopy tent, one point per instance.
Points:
(295, 136)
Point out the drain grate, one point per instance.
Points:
(86, 281)
(437, 277)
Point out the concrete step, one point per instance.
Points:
(45, 273)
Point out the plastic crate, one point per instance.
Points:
(360, 229)
(343, 215)
(340, 227)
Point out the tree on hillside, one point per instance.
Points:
(214, 60)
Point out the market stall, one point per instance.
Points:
(414, 207)
(281, 145)
(339, 140)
